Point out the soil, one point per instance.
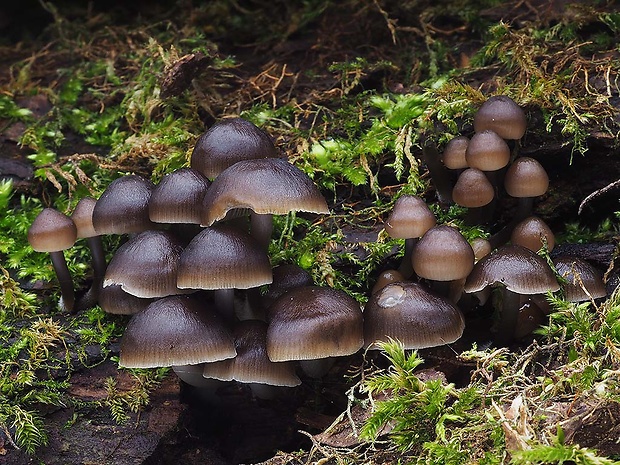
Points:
(229, 425)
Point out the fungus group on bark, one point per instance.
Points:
(198, 240)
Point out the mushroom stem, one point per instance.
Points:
(63, 274)
(225, 303)
(524, 209)
(451, 290)
(481, 215)
(515, 148)
(318, 367)
(91, 297)
(264, 391)
(98, 258)
(406, 268)
(508, 317)
(261, 227)
(439, 173)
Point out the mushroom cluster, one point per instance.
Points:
(194, 258)
(479, 173)
(197, 253)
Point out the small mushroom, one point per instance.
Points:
(487, 151)
(267, 186)
(517, 271)
(410, 313)
(454, 153)
(252, 365)
(286, 277)
(314, 324)
(175, 330)
(178, 197)
(582, 280)
(223, 258)
(146, 265)
(227, 142)
(502, 115)
(53, 231)
(444, 257)
(481, 247)
(387, 277)
(123, 208)
(526, 179)
(473, 189)
(112, 299)
(534, 234)
(409, 220)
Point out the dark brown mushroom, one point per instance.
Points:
(445, 258)
(517, 271)
(178, 197)
(112, 299)
(487, 151)
(123, 208)
(313, 324)
(227, 142)
(286, 277)
(252, 365)
(223, 258)
(582, 280)
(534, 234)
(146, 265)
(473, 189)
(268, 186)
(454, 153)
(413, 315)
(526, 179)
(176, 330)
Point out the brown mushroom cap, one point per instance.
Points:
(502, 115)
(473, 189)
(406, 311)
(176, 330)
(526, 177)
(481, 247)
(519, 269)
(443, 254)
(146, 265)
(265, 186)
(228, 142)
(82, 216)
(487, 151)
(533, 233)
(286, 277)
(251, 365)
(454, 153)
(583, 281)
(308, 323)
(410, 218)
(223, 257)
(124, 206)
(178, 197)
(52, 231)
(387, 277)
